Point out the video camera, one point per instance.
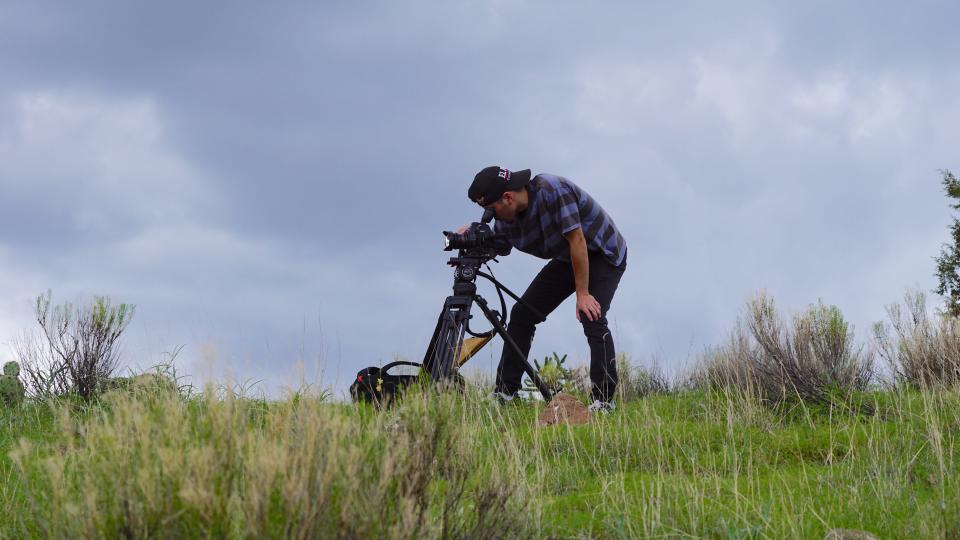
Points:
(479, 240)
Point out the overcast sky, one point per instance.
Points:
(268, 181)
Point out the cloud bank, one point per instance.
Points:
(268, 184)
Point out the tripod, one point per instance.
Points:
(454, 321)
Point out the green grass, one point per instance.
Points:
(30, 421)
(687, 465)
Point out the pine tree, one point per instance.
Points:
(948, 263)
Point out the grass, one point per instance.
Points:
(684, 465)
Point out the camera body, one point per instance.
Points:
(478, 241)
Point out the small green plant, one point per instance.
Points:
(11, 389)
(553, 373)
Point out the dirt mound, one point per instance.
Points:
(564, 409)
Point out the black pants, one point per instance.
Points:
(551, 287)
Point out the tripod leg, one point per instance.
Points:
(447, 340)
(428, 358)
(445, 353)
(544, 391)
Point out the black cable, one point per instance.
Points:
(503, 303)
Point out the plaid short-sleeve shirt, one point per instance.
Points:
(558, 206)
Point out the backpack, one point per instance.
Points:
(377, 386)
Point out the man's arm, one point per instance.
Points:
(581, 275)
(578, 256)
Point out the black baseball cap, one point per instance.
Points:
(491, 183)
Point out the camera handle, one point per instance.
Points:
(447, 340)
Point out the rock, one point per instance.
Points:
(564, 409)
(848, 534)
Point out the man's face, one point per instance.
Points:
(504, 209)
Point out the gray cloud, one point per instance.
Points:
(268, 183)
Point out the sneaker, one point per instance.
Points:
(502, 397)
(602, 407)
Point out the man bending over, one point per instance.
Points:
(552, 218)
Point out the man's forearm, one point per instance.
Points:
(581, 265)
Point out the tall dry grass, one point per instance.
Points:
(222, 466)
(921, 350)
(637, 381)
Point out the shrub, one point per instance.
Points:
(143, 383)
(726, 366)
(813, 360)
(77, 350)
(11, 389)
(636, 382)
(919, 350)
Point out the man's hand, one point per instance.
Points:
(463, 229)
(586, 303)
(589, 306)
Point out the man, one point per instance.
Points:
(552, 218)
